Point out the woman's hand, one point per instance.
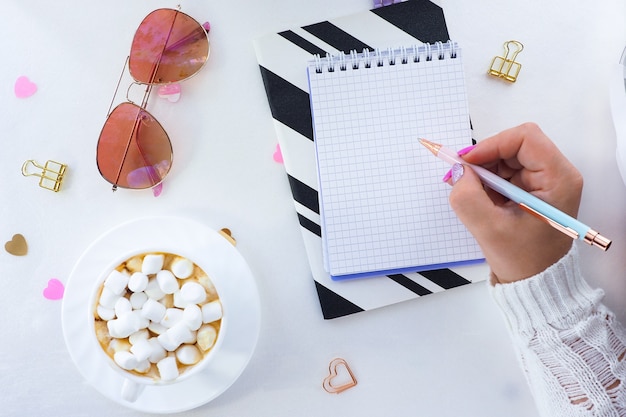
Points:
(516, 244)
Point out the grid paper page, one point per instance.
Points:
(383, 204)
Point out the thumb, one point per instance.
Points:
(469, 200)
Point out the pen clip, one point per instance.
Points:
(564, 229)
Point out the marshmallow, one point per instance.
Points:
(108, 298)
(179, 300)
(138, 299)
(172, 317)
(142, 334)
(143, 366)
(142, 350)
(153, 310)
(119, 345)
(192, 317)
(211, 311)
(134, 263)
(206, 337)
(105, 313)
(122, 306)
(116, 281)
(167, 281)
(153, 290)
(152, 264)
(193, 292)
(188, 355)
(125, 325)
(169, 344)
(112, 327)
(138, 282)
(143, 322)
(157, 328)
(182, 268)
(181, 333)
(168, 370)
(157, 351)
(125, 360)
(176, 336)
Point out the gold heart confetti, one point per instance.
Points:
(340, 378)
(227, 234)
(17, 245)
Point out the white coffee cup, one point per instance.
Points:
(133, 383)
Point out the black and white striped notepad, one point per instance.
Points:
(283, 58)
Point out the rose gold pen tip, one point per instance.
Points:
(431, 146)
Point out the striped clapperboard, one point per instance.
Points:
(283, 60)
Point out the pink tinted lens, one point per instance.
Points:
(133, 149)
(168, 46)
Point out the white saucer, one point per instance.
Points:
(232, 279)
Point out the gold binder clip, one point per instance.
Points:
(505, 66)
(51, 174)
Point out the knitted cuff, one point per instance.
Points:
(558, 297)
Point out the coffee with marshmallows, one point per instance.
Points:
(157, 315)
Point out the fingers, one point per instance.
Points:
(523, 146)
(526, 157)
(468, 198)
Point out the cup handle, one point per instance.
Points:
(131, 390)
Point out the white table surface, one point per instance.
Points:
(442, 355)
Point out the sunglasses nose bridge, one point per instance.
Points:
(146, 93)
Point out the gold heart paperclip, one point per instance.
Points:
(348, 381)
(51, 174)
(505, 66)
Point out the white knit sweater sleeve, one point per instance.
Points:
(570, 345)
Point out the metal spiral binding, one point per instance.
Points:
(381, 57)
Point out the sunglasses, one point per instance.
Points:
(134, 151)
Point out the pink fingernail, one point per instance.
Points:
(447, 177)
(466, 150)
(457, 172)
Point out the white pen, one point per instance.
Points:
(533, 205)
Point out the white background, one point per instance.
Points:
(444, 355)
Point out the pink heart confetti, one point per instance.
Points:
(171, 92)
(278, 155)
(24, 88)
(54, 290)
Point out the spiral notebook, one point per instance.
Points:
(384, 208)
